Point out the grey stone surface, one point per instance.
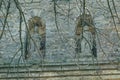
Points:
(59, 45)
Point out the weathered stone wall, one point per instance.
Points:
(59, 46)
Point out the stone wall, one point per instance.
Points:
(60, 45)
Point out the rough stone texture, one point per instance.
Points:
(59, 46)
